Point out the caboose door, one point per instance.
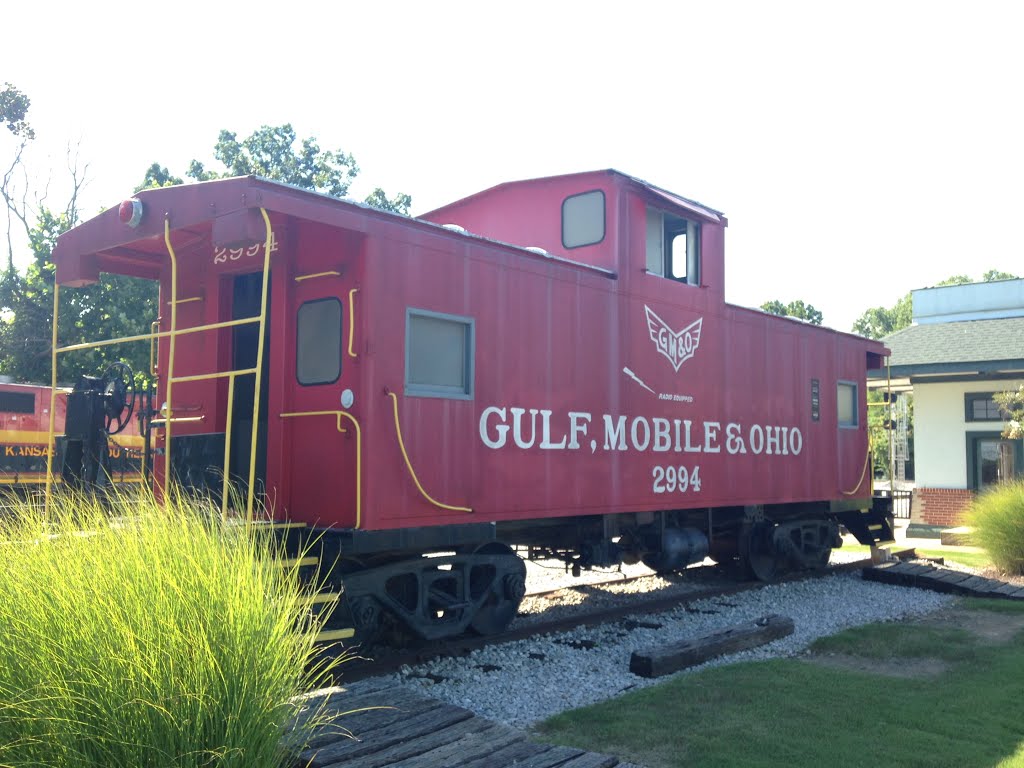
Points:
(320, 443)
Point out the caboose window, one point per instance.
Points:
(438, 355)
(673, 247)
(846, 397)
(318, 342)
(583, 219)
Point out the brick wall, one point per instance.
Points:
(943, 507)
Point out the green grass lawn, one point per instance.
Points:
(789, 712)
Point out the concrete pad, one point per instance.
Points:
(957, 537)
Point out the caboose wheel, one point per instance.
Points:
(757, 551)
(504, 586)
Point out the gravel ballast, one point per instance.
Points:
(523, 682)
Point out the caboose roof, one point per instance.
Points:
(645, 188)
(219, 210)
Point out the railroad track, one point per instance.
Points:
(389, 660)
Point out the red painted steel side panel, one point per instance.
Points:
(593, 392)
(530, 214)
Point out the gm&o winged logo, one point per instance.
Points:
(677, 346)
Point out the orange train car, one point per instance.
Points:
(24, 439)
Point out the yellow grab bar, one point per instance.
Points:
(51, 439)
(351, 319)
(359, 451)
(160, 335)
(259, 367)
(331, 273)
(152, 347)
(408, 464)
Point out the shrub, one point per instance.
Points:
(147, 636)
(997, 516)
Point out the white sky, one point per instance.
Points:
(859, 149)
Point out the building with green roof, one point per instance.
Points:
(966, 344)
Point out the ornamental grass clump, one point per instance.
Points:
(138, 634)
(997, 516)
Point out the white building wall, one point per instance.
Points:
(940, 430)
(974, 301)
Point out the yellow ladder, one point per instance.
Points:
(172, 334)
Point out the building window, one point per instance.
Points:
(583, 219)
(991, 460)
(438, 355)
(673, 247)
(846, 399)
(318, 342)
(979, 406)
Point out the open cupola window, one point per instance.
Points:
(673, 247)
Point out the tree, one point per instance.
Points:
(1012, 403)
(115, 306)
(796, 309)
(13, 110)
(994, 274)
(271, 152)
(882, 321)
(13, 113)
(400, 203)
(158, 176)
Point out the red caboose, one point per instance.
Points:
(548, 363)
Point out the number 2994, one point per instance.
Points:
(676, 479)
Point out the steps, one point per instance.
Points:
(870, 526)
(292, 535)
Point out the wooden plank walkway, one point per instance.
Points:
(395, 726)
(940, 579)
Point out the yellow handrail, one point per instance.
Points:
(160, 335)
(259, 368)
(152, 347)
(170, 355)
(172, 334)
(359, 451)
(331, 273)
(226, 482)
(50, 439)
(408, 464)
(867, 460)
(351, 319)
(216, 375)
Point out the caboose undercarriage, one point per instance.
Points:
(439, 582)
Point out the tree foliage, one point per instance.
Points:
(1012, 403)
(882, 321)
(275, 152)
(115, 306)
(994, 274)
(13, 111)
(158, 176)
(796, 309)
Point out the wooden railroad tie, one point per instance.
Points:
(665, 659)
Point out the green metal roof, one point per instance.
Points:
(967, 346)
